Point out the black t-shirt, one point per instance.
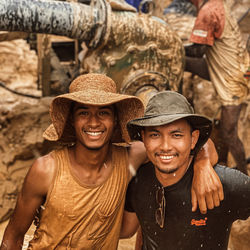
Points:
(184, 229)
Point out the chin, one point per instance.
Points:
(167, 170)
(94, 147)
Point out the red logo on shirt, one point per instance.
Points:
(198, 223)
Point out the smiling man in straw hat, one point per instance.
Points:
(172, 133)
(81, 187)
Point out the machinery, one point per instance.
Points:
(138, 51)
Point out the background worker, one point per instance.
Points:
(217, 36)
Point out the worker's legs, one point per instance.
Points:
(229, 132)
(221, 146)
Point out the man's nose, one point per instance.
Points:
(165, 144)
(94, 121)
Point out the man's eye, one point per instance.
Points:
(83, 113)
(177, 135)
(104, 113)
(154, 135)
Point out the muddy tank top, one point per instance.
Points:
(81, 217)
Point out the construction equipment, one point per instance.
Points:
(139, 51)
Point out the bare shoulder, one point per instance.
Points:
(41, 174)
(137, 147)
(44, 164)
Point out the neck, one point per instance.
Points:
(91, 160)
(170, 179)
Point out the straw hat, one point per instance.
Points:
(91, 89)
(166, 107)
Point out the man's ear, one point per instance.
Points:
(195, 137)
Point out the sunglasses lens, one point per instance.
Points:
(159, 195)
(159, 217)
(160, 212)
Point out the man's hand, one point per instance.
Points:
(206, 189)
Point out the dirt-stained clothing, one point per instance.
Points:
(226, 55)
(77, 216)
(184, 229)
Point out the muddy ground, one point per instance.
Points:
(23, 120)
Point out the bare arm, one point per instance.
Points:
(130, 225)
(197, 66)
(195, 61)
(207, 189)
(195, 50)
(31, 197)
(137, 156)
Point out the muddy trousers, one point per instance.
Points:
(229, 133)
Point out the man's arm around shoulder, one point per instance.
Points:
(137, 156)
(130, 224)
(207, 189)
(31, 197)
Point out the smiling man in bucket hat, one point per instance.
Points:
(82, 186)
(172, 134)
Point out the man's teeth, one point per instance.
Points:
(94, 133)
(166, 157)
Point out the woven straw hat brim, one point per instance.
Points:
(94, 97)
(128, 108)
(202, 123)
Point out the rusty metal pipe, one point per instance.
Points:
(74, 20)
(134, 49)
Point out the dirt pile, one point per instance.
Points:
(18, 68)
(22, 120)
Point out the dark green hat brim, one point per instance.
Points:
(199, 122)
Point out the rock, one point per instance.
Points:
(239, 237)
(21, 142)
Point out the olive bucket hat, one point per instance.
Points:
(166, 107)
(91, 89)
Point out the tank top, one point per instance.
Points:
(81, 217)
